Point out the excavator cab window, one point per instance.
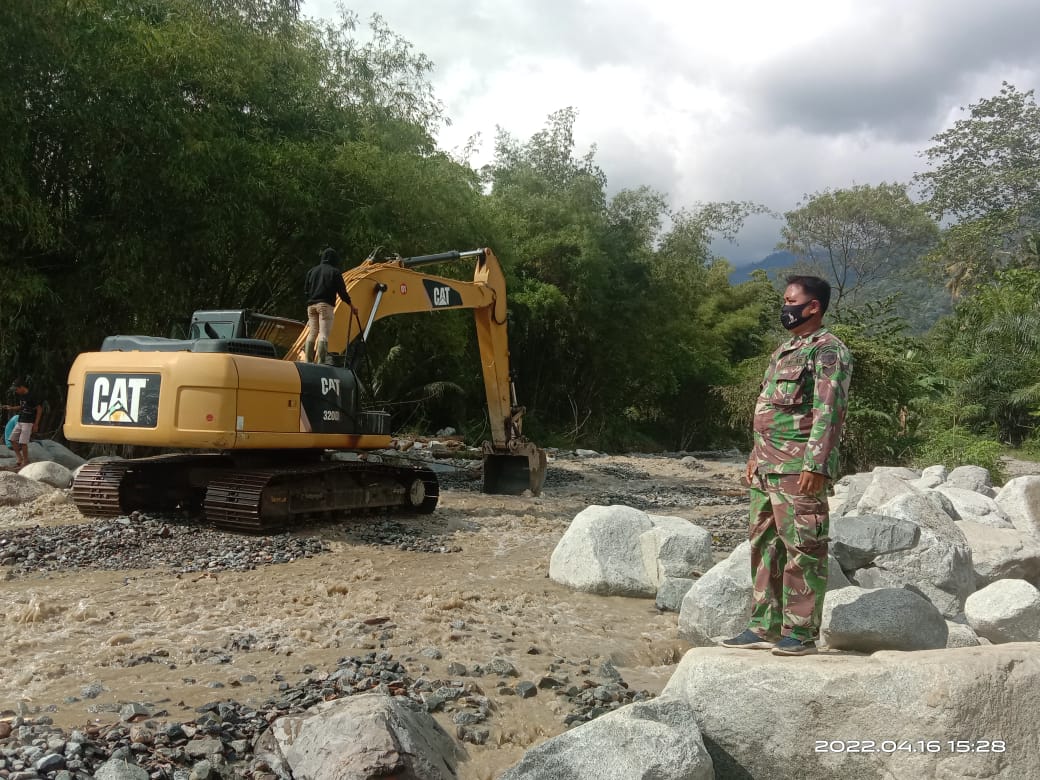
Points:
(212, 330)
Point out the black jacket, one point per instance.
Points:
(323, 283)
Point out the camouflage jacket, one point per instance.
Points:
(801, 406)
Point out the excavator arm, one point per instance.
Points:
(386, 287)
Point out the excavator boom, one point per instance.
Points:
(388, 287)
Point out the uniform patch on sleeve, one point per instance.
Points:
(829, 360)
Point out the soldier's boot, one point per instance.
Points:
(323, 351)
(308, 351)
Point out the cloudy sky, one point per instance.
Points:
(741, 100)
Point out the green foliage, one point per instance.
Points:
(880, 428)
(987, 359)
(986, 174)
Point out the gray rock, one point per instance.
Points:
(763, 716)
(49, 762)
(117, 769)
(672, 592)
(856, 540)
(587, 454)
(16, 489)
(675, 547)
(203, 748)
(1005, 611)
(600, 552)
(61, 454)
(938, 472)
(1020, 500)
(961, 635)
(887, 619)
(851, 488)
(719, 603)
(973, 478)
(1002, 553)
(47, 472)
(836, 579)
(939, 566)
(363, 736)
(882, 488)
(976, 507)
(653, 740)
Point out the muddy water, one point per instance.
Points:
(180, 641)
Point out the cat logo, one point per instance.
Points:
(329, 385)
(117, 399)
(441, 295)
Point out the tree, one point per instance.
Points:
(986, 177)
(858, 236)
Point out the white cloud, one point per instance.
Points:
(747, 100)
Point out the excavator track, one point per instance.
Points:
(251, 500)
(264, 500)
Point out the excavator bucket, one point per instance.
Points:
(511, 473)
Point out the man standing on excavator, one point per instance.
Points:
(323, 283)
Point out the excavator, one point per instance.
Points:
(261, 433)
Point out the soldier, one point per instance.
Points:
(798, 420)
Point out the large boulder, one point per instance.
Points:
(886, 619)
(1002, 553)
(719, 603)
(47, 472)
(836, 715)
(1005, 611)
(939, 566)
(975, 507)
(360, 737)
(856, 540)
(642, 741)
(973, 478)
(600, 552)
(16, 489)
(1020, 500)
(675, 547)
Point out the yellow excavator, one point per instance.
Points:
(259, 428)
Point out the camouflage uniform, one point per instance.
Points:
(798, 420)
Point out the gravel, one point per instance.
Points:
(218, 739)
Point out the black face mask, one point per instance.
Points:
(791, 316)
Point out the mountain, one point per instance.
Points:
(770, 264)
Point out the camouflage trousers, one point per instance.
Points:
(789, 539)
